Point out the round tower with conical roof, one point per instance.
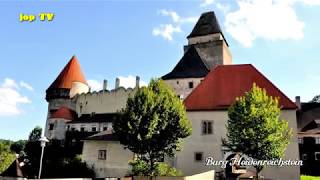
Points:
(70, 82)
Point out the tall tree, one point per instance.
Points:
(316, 99)
(255, 129)
(153, 123)
(6, 156)
(35, 134)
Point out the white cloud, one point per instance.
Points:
(166, 31)
(10, 98)
(225, 8)
(9, 83)
(206, 3)
(265, 19)
(130, 81)
(95, 85)
(26, 85)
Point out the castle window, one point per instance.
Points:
(317, 156)
(82, 129)
(51, 126)
(190, 85)
(300, 140)
(105, 128)
(177, 82)
(102, 154)
(304, 156)
(198, 156)
(93, 129)
(317, 140)
(207, 127)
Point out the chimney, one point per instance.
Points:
(298, 102)
(105, 83)
(117, 83)
(137, 81)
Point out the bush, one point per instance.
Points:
(142, 168)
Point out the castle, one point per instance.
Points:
(204, 78)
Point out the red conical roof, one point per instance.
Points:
(70, 73)
(65, 113)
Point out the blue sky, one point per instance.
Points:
(129, 38)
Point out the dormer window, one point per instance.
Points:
(190, 85)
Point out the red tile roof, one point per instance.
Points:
(65, 113)
(223, 84)
(70, 73)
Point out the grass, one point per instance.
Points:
(303, 177)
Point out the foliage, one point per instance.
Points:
(163, 169)
(316, 99)
(303, 177)
(18, 146)
(6, 156)
(255, 128)
(35, 134)
(153, 123)
(140, 168)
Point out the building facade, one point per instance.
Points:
(204, 79)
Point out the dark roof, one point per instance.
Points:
(14, 170)
(87, 118)
(70, 73)
(189, 66)
(103, 136)
(224, 83)
(309, 106)
(207, 24)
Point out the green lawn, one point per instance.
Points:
(310, 178)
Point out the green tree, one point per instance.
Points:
(153, 123)
(35, 134)
(6, 156)
(255, 129)
(316, 99)
(18, 146)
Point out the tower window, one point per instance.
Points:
(207, 127)
(93, 129)
(177, 82)
(82, 129)
(102, 154)
(190, 85)
(105, 128)
(51, 126)
(198, 156)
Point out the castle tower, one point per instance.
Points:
(70, 82)
(207, 48)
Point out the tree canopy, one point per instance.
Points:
(316, 99)
(254, 127)
(153, 123)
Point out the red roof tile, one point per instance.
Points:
(223, 84)
(65, 113)
(70, 73)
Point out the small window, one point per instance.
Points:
(93, 129)
(207, 127)
(102, 154)
(190, 85)
(105, 128)
(73, 129)
(317, 156)
(317, 140)
(198, 156)
(300, 140)
(82, 129)
(177, 82)
(51, 126)
(304, 156)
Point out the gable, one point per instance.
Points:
(189, 66)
